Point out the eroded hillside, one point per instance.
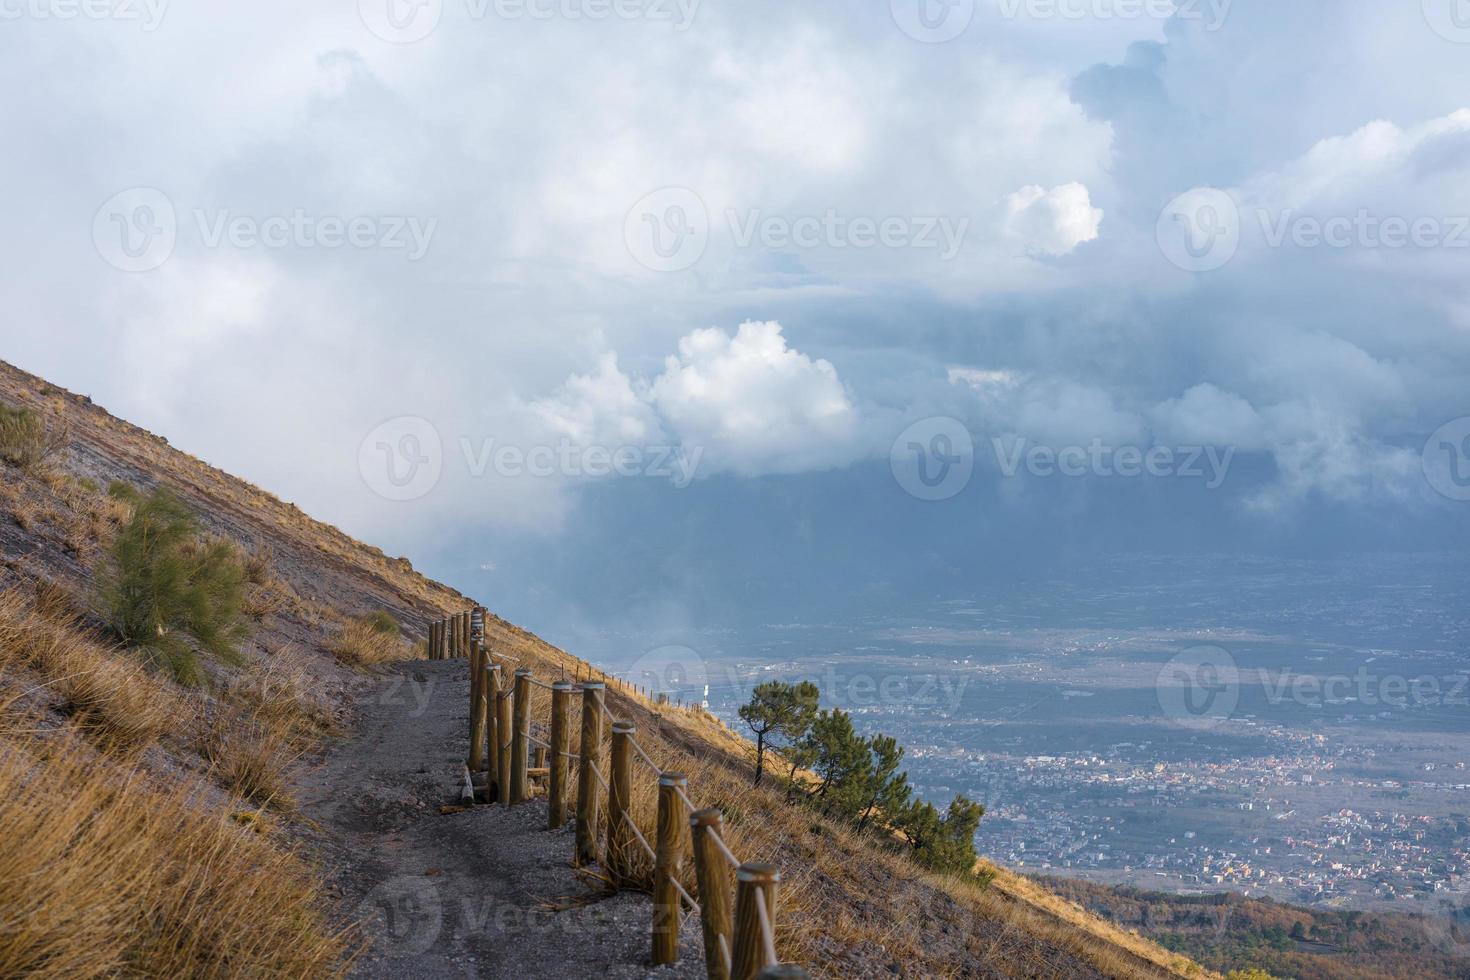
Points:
(159, 815)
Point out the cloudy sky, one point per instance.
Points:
(668, 311)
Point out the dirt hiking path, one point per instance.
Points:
(488, 892)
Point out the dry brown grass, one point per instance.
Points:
(360, 644)
(102, 875)
(252, 756)
(105, 692)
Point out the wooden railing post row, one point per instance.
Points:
(673, 841)
(561, 744)
(754, 883)
(714, 890)
(521, 740)
(619, 799)
(588, 787)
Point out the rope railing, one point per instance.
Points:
(738, 924)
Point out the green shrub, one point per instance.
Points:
(165, 580)
(25, 440)
(126, 492)
(382, 622)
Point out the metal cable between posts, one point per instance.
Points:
(715, 836)
(767, 939)
(725, 953)
(685, 797)
(540, 684)
(536, 741)
(658, 770)
(598, 773)
(639, 834)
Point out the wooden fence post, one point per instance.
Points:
(492, 727)
(461, 622)
(441, 646)
(619, 798)
(673, 841)
(477, 710)
(753, 883)
(434, 640)
(588, 786)
(503, 740)
(520, 742)
(714, 891)
(561, 744)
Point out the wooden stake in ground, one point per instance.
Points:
(713, 878)
(755, 885)
(503, 740)
(619, 799)
(589, 787)
(673, 842)
(477, 709)
(561, 744)
(521, 741)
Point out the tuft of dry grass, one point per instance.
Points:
(252, 757)
(361, 643)
(105, 692)
(102, 875)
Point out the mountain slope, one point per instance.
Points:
(220, 753)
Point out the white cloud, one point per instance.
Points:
(754, 404)
(1053, 222)
(1206, 416)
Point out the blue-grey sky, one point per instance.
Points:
(672, 310)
